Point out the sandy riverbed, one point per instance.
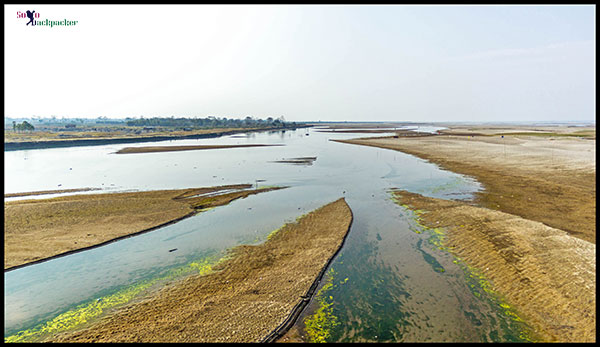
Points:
(39, 229)
(246, 299)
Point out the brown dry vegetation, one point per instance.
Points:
(542, 178)
(149, 149)
(250, 295)
(548, 275)
(39, 229)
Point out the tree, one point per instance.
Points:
(24, 126)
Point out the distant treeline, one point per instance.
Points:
(211, 122)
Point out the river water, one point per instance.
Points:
(390, 282)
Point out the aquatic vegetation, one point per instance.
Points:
(272, 233)
(319, 325)
(92, 309)
(204, 266)
(437, 237)
(476, 282)
(368, 307)
(437, 267)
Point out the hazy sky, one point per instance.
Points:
(388, 63)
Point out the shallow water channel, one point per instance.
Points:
(390, 282)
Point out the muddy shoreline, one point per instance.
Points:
(249, 298)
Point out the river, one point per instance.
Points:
(390, 282)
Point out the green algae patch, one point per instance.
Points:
(204, 266)
(273, 233)
(480, 286)
(319, 325)
(431, 260)
(368, 307)
(92, 309)
(79, 315)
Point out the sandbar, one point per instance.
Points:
(38, 230)
(150, 149)
(45, 192)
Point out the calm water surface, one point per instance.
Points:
(385, 285)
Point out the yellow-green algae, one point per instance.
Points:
(272, 233)
(92, 309)
(474, 276)
(318, 326)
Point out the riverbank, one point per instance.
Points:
(152, 149)
(548, 276)
(41, 229)
(34, 140)
(549, 177)
(247, 298)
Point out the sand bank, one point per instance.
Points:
(366, 131)
(549, 179)
(248, 297)
(45, 192)
(544, 273)
(150, 149)
(36, 230)
(307, 161)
